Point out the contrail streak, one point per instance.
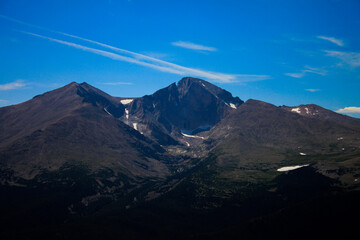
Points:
(141, 59)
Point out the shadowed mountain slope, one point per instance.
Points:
(76, 124)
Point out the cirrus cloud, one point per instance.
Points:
(146, 60)
(295, 75)
(160, 65)
(333, 40)
(193, 46)
(13, 85)
(312, 90)
(350, 58)
(307, 69)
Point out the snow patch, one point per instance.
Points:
(289, 168)
(127, 113)
(188, 144)
(135, 126)
(302, 154)
(297, 110)
(126, 101)
(307, 110)
(232, 105)
(107, 111)
(192, 136)
(340, 138)
(203, 85)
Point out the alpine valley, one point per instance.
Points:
(187, 162)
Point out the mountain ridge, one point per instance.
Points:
(190, 151)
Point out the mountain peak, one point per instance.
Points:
(190, 80)
(67, 87)
(72, 84)
(85, 84)
(185, 83)
(254, 102)
(189, 105)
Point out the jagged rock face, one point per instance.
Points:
(186, 106)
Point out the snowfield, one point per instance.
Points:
(289, 168)
(126, 101)
(192, 136)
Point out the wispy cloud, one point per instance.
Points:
(349, 110)
(312, 90)
(307, 69)
(141, 59)
(193, 46)
(295, 75)
(157, 55)
(318, 71)
(21, 22)
(118, 83)
(168, 67)
(150, 62)
(13, 85)
(2, 101)
(251, 78)
(333, 40)
(350, 58)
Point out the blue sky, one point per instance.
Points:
(281, 52)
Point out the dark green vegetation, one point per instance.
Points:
(76, 163)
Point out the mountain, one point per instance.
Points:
(277, 127)
(317, 112)
(76, 124)
(250, 144)
(187, 162)
(190, 106)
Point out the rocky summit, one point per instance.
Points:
(189, 161)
